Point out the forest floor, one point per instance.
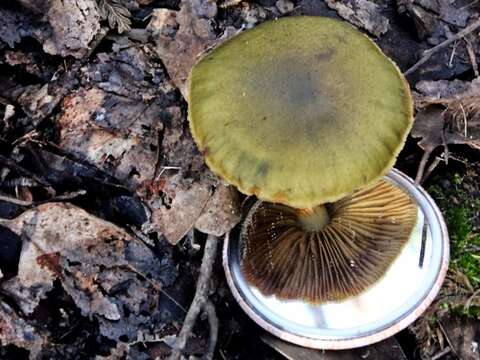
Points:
(105, 202)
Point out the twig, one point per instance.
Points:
(467, 305)
(472, 56)
(469, 5)
(446, 152)
(142, 237)
(465, 121)
(200, 298)
(450, 62)
(441, 353)
(209, 309)
(66, 196)
(24, 172)
(421, 167)
(428, 53)
(431, 167)
(446, 336)
(15, 201)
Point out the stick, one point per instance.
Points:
(421, 167)
(442, 353)
(24, 172)
(209, 309)
(431, 167)
(15, 201)
(446, 337)
(200, 298)
(428, 53)
(63, 197)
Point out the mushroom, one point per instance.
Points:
(308, 114)
(291, 254)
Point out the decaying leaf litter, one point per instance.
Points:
(105, 200)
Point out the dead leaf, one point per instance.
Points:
(97, 264)
(74, 24)
(13, 26)
(446, 120)
(428, 127)
(363, 13)
(122, 147)
(444, 88)
(285, 6)
(430, 17)
(24, 60)
(117, 15)
(179, 45)
(15, 330)
(176, 203)
(433, 327)
(221, 213)
(129, 129)
(54, 233)
(163, 23)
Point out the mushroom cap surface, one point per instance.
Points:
(299, 111)
(366, 233)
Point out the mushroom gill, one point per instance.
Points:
(286, 255)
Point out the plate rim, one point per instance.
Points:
(367, 339)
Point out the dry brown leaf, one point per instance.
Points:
(75, 23)
(58, 233)
(115, 126)
(363, 13)
(15, 330)
(448, 121)
(181, 37)
(221, 213)
(456, 292)
(92, 259)
(124, 148)
(117, 15)
(453, 119)
(176, 204)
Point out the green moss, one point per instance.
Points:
(460, 209)
(465, 242)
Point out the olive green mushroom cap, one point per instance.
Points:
(299, 111)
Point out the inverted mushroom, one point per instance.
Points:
(304, 111)
(287, 254)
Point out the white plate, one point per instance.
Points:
(390, 305)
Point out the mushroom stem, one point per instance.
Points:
(314, 219)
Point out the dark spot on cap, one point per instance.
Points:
(262, 169)
(325, 55)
